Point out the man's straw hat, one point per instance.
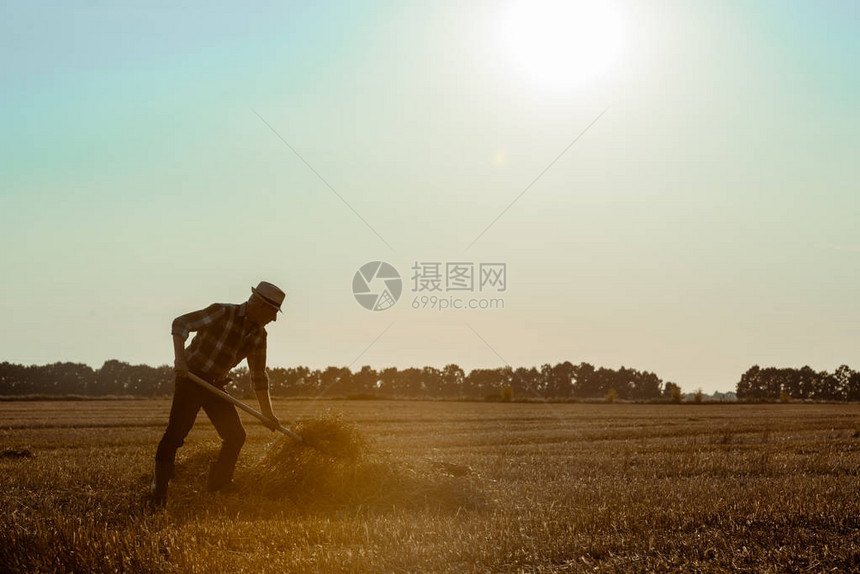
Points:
(270, 294)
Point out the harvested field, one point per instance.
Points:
(440, 486)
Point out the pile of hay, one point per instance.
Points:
(16, 453)
(328, 435)
(343, 471)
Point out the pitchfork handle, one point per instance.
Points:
(226, 396)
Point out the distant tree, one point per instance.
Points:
(751, 386)
(852, 392)
(804, 383)
(605, 379)
(334, 381)
(586, 384)
(365, 380)
(545, 381)
(506, 376)
(828, 387)
(112, 378)
(791, 384)
(431, 378)
(525, 382)
(13, 379)
(481, 382)
(278, 381)
(388, 380)
(409, 382)
(772, 379)
(292, 382)
(142, 381)
(560, 383)
(453, 379)
(842, 377)
(164, 380)
(65, 378)
(672, 391)
(306, 380)
(623, 381)
(807, 383)
(240, 384)
(646, 386)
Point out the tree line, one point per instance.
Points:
(563, 380)
(774, 383)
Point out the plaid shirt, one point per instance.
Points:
(224, 337)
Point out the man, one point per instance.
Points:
(226, 334)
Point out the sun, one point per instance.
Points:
(560, 44)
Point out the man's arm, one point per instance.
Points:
(266, 408)
(196, 320)
(265, 403)
(260, 380)
(179, 364)
(185, 324)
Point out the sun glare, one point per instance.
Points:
(560, 44)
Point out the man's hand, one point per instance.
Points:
(266, 407)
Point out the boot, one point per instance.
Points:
(220, 477)
(158, 488)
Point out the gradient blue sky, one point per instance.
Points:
(706, 222)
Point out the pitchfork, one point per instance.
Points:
(228, 397)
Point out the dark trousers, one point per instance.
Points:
(188, 399)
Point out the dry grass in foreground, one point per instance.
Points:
(554, 488)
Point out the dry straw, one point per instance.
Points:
(340, 470)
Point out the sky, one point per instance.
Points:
(671, 186)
